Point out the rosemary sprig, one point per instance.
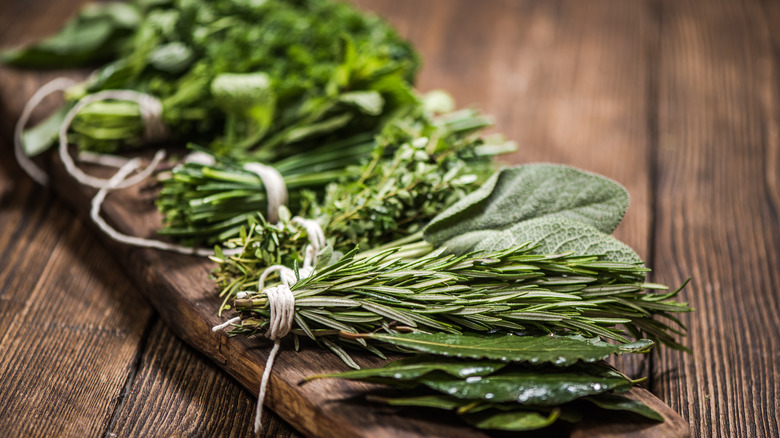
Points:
(511, 290)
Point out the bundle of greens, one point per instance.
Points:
(245, 78)
(545, 265)
(505, 382)
(505, 297)
(363, 190)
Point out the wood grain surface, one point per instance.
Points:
(677, 100)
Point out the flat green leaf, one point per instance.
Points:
(516, 420)
(617, 402)
(369, 102)
(545, 193)
(415, 367)
(41, 137)
(535, 387)
(438, 401)
(96, 34)
(172, 57)
(551, 236)
(557, 350)
(238, 93)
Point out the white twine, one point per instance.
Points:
(114, 183)
(282, 303)
(201, 158)
(225, 324)
(106, 160)
(154, 129)
(35, 172)
(275, 188)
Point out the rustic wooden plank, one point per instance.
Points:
(177, 391)
(717, 217)
(311, 407)
(32, 222)
(66, 350)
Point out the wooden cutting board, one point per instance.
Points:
(180, 289)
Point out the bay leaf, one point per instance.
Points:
(438, 401)
(418, 366)
(515, 420)
(616, 402)
(557, 350)
(534, 387)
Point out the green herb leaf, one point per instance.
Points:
(548, 236)
(557, 350)
(416, 367)
(512, 197)
(515, 420)
(438, 401)
(370, 102)
(535, 387)
(617, 402)
(40, 137)
(96, 34)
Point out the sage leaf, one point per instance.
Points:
(534, 387)
(617, 402)
(550, 236)
(513, 196)
(557, 350)
(515, 420)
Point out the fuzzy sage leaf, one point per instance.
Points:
(537, 203)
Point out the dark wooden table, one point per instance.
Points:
(677, 100)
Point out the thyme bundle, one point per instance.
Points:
(385, 187)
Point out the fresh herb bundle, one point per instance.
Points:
(505, 382)
(384, 187)
(511, 290)
(244, 78)
(486, 276)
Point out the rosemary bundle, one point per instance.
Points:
(511, 290)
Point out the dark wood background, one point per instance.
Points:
(677, 100)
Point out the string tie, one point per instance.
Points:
(281, 302)
(154, 129)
